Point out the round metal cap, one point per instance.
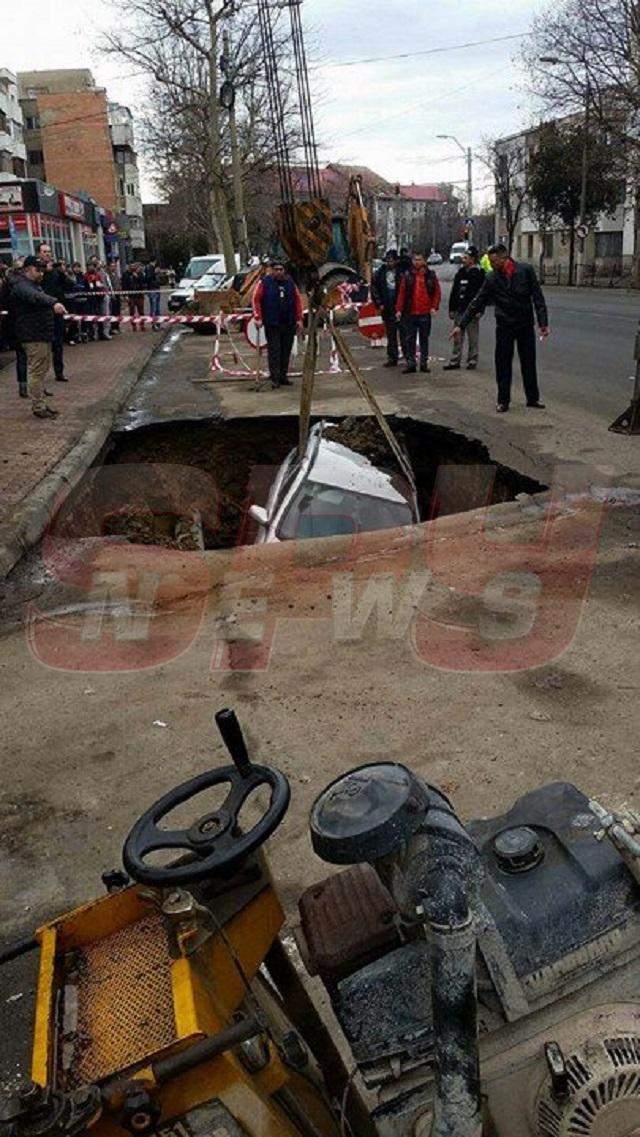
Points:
(518, 850)
(366, 814)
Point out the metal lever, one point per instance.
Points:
(229, 727)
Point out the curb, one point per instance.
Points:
(26, 523)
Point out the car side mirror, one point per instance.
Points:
(259, 514)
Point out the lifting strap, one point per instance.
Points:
(365, 390)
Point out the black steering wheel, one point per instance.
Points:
(215, 842)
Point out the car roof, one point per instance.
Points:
(336, 465)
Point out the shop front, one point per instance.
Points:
(32, 212)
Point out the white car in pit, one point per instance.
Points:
(332, 490)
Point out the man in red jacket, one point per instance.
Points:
(418, 296)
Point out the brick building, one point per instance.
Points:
(84, 145)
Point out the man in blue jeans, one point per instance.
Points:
(153, 291)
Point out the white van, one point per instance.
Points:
(457, 252)
(195, 270)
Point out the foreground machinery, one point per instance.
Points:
(485, 976)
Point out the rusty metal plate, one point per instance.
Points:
(117, 1006)
(347, 920)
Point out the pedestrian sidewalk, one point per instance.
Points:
(100, 376)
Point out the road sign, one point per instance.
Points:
(582, 232)
(370, 322)
(254, 335)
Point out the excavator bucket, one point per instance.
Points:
(362, 242)
(306, 231)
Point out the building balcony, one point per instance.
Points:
(133, 206)
(10, 144)
(122, 134)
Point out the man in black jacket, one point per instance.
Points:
(466, 285)
(514, 290)
(384, 289)
(8, 327)
(34, 313)
(57, 282)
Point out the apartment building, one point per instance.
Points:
(13, 155)
(84, 145)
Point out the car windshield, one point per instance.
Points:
(198, 266)
(211, 280)
(327, 511)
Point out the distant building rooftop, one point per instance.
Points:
(423, 193)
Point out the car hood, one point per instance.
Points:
(336, 465)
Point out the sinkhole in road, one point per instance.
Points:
(150, 482)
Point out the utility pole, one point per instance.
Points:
(241, 228)
(580, 266)
(468, 153)
(470, 184)
(218, 204)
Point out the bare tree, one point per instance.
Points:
(178, 44)
(583, 59)
(507, 162)
(588, 51)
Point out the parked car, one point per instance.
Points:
(434, 258)
(332, 490)
(194, 272)
(457, 252)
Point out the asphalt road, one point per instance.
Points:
(589, 357)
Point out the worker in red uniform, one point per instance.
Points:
(419, 295)
(277, 305)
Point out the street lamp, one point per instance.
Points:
(468, 155)
(554, 61)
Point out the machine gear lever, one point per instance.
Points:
(229, 727)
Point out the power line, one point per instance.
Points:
(376, 122)
(431, 51)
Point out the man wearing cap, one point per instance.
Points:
(277, 305)
(34, 312)
(384, 289)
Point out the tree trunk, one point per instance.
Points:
(219, 211)
(572, 251)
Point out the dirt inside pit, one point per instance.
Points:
(151, 482)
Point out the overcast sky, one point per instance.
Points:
(384, 115)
